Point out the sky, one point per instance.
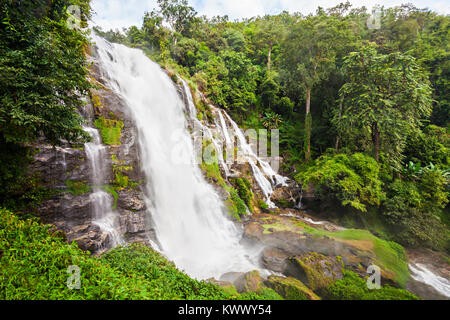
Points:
(117, 14)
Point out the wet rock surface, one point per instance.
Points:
(290, 288)
(434, 262)
(57, 167)
(315, 270)
(288, 237)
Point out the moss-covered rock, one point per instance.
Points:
(358, 248)
(249, 282)
(316, 270)
(290, 288)
(110, 130)
(78, 187)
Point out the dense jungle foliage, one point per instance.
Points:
(363, 112)
(43, 76)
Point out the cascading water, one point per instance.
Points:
(419, 272)
(264, 175)
(102, 201)
(189, 217)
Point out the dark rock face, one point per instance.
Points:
(71, 211)
(275, 259)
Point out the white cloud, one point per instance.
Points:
(112, 14)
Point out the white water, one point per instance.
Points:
(420, 273)
(102, 201)
(223, 139)
(189, 217)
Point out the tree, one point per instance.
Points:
(309, 57)
(178, 14)
(269, 32)
(43, 73)
(386, 97)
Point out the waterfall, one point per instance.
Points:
(104, 216)
(190, 220)
(419, 272)
(264, 175)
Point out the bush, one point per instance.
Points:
(352, 287)
(352, 180)
(34, 261)
(414, 211)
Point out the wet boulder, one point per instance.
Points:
(290, 288)
(315, 270)
(249, 282)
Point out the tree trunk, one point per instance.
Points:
(376, 141)
(308, 121)
(269, 58)
(337, 136)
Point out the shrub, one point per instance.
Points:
(352, 287)
(352, 180)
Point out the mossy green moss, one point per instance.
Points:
(352, 287)
(262, 204)
(113, 192)
(390, 256)
(291, 288)
(320, 271)
(235, 205)
(78, 187)
(244, 189)
(110, 130)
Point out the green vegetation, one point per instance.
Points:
(352, 180)
(352, 287)
(77, 187)
(355, 106)
(390, 255)
(363, 116)
(43, 77)
(244, 190)
(291, 288)
(35, 260)
(110, 130)
(236, 206)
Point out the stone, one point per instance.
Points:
(249, 282)
(290, 288)
(315, 270)
(274, 259)
(286, 197)
(231, 276)
(130, 200)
